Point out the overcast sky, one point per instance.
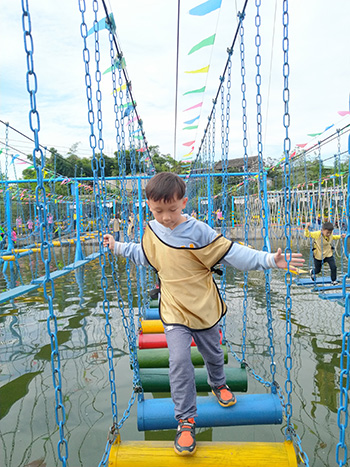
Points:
(319, 36)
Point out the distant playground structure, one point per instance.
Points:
(47, 234)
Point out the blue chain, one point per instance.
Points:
(264, 214)
(48, 284)
(99, 221)
(289, 431)
(342, 419)
(246, 182)
(129, 326)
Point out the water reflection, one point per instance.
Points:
(28, 431)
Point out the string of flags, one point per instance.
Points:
(191, 124)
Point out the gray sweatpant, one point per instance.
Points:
(181, 370)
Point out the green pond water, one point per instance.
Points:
(28, 430)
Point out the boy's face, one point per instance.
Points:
(168, 214)
(327, 233)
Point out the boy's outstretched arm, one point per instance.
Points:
(296, 260)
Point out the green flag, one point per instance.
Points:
(204, 43)
(195, 91)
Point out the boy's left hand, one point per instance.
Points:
(296, 260)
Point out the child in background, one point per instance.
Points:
(323, 249)
(183, 251)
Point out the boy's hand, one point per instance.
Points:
(296, 261)
(307, 225)
(108, 241)
(343, 235)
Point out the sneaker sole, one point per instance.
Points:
(229, 404)
(185, 453)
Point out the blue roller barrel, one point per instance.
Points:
(250, 409)
(152, 313)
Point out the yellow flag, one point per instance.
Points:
(201, 70)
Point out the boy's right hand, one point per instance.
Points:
(108, 241)
(307, 225)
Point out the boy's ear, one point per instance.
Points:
(184, 202)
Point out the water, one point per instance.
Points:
(28, 431)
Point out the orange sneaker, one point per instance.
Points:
(185, 439)
(225, 396)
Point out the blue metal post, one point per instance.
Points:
(8, 223)
(139, 189)
(267, 214)
(233, 211)
(78, 251)
(210, 202)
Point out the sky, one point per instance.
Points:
(319, 79)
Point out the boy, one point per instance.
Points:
(323, 250)
(183, 251)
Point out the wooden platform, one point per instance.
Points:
(208, 454)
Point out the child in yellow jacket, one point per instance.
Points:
(323, 250)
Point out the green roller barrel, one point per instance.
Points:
(159, 358)
(153, 303)
(157, 379)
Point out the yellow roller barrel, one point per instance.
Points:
(8, 258)
(208, 454)
(151, 326)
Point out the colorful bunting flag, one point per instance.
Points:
(194, 107)
(205, 8)
(204, 43)
(189, 143)
(121, 88)
(342, 113)
(196, 91)
(192, 127)
(189, 122)
(14, 158)
(200, 70)
(104, 23)
(118, 65)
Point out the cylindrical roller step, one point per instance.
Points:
(151, 326)
(157, 379)
(159, 358)
(250, 409)
(157, 341)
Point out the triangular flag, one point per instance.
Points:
(195, 91)
(328, 127)
(314, 134)
(194, 107)
(342, 113)
(193, 127)
(205, 8)
(200, 70)
(14, 158)
(301, 145)
(189, 143)
(205, 42)
(189, 122)
(122, 88)
(104, 23)
(118, 65)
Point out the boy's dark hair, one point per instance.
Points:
(327, 226)
(165, 186)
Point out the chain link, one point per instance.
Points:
(45, 252)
